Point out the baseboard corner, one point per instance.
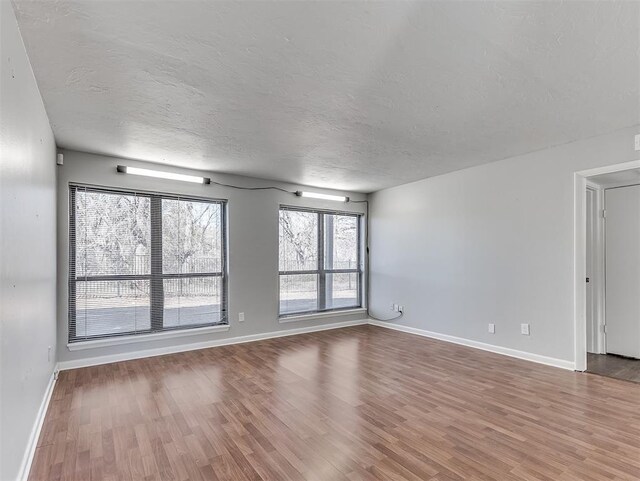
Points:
(27, 460)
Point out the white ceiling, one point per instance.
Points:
(353, 95)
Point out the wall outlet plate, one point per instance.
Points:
(492, 328)
(524, 329)
(240, 316)
(637, 142)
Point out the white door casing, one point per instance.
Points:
(592, 319)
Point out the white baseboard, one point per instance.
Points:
(505, 351)
(127, 356)
(27, 459)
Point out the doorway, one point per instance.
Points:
(612, 268)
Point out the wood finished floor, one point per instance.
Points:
(614, 366)
(360, 403)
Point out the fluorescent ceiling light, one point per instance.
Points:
(315, 195)
(163, 175)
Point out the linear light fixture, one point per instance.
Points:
(124, 169)
(315, 195)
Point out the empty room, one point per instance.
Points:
(319, 240)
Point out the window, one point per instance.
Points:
(320, 268)
(143, 263)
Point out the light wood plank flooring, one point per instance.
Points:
(360, 403)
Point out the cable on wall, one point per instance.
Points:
(253, 188)
(366, 242)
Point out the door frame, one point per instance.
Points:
(580, 256)
(597, 279)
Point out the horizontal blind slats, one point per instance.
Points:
(118, 263)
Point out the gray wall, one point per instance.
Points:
(253, 246)
(27, 248)
(490, 244)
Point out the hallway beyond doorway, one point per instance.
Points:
(618, 367)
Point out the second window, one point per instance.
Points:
(320, 261)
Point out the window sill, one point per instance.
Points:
(156, 336)
(322, 315)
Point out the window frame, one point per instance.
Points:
(156, 275)
(321, 271)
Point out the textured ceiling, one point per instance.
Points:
(354, 95)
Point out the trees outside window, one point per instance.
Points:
(319, 261)
(142, 263)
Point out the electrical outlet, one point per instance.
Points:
(241, 317)
(393, 307)
(637, 142)
(492, 328)
(49, 354)
(524, 329)
(400, 308)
